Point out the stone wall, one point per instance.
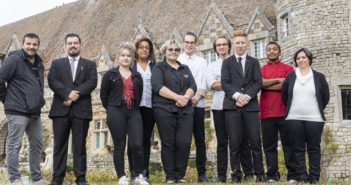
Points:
(323, 27)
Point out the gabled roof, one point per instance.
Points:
(220, 16)
(109, 22)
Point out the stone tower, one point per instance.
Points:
(323, 26)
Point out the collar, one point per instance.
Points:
(275, 63)
(169, 66)
(242, 56)
(77, 58)
(189, 56)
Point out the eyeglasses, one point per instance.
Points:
(177, 50)
(219, 45)
(144, 47)
(189, 43)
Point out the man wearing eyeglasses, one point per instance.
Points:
(197, 67)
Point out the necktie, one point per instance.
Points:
(240, 65)
(72, 67)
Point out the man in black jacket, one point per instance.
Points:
(72, 79)
(23, 71)
(241, 81)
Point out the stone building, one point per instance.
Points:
(321, 26)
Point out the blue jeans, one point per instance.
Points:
(17, 125)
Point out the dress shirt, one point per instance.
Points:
(75, 65)
(243, 62)
(213, 74)
(147, 94)
(197, 67)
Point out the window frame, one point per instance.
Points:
(101, 133)
(341, 88)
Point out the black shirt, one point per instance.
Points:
(177, 80)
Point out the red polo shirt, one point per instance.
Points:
(271, 104)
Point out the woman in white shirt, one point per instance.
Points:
(305, 94)
(144, 62)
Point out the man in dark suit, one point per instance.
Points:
(241, 81)
(72, 79)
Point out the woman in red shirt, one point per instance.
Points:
(121, 90)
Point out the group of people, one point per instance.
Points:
(140, 92)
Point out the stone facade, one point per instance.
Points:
(322, 26)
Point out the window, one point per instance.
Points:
(346, 103)
(101, 134)
(285, 25)
(260, 49)
(210, 56)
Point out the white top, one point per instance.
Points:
(304, 105)
(146, 75)
(75, 65)
(197, 67)
(212, 75)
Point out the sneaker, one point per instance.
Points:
(181, 181)
(141, 180)
(41, 182)
(292, 181)
(123, 181)
(170, 181)
(17, 182)
(271, 180)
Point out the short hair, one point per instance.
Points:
(192, 34)
(31, 35)
(239, 33)
(308, 54)
(222, 37)
(72, 35)
(151, 57)
(167, 43)
(128, 46)
(275, 43)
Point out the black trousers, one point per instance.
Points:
(61, 129)
(175, 131)
(239, 122)
(122, 121)
(199, 136)
(310, 133)
(148, 127)
(270, 129)
(222, 147)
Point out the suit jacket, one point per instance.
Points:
(233, 81)
(320, 84)
(60, 82)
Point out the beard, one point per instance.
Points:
(27, 55)
(74, 54)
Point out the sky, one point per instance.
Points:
(14, 10)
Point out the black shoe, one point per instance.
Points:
(235, 180)
(261, 178)
(248, 178)
(54, 183)
(82, 183)
(202, 178)
(221, 178)
(314, 181)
